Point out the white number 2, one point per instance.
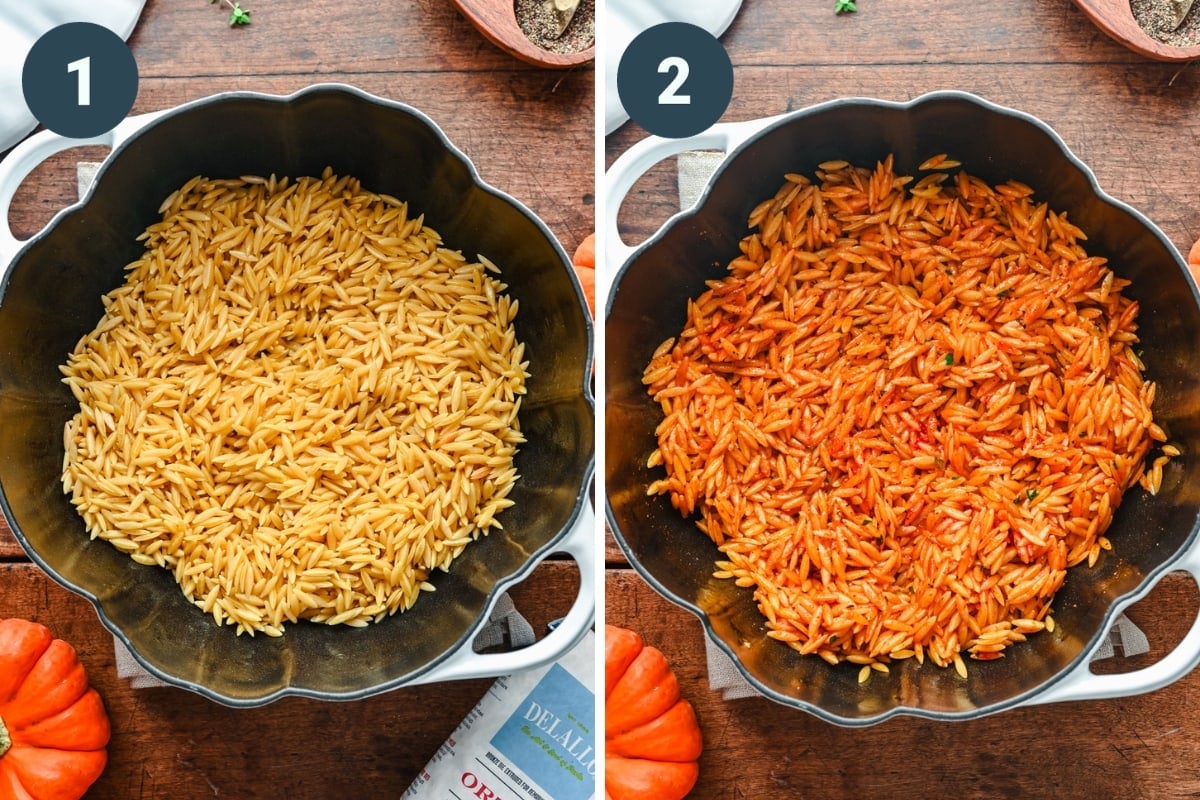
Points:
(670, 94)
(84, 67)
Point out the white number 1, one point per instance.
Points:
(670, 94)
(84, 67)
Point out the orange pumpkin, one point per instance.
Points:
(53, 727)
(652, 739)
(584, 262)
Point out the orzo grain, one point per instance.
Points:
(300, 402)
(905, 412)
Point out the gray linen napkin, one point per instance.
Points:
(694, 169)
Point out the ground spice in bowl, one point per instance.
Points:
(1157, 19)
(538, 23)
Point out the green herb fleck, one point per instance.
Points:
(1030, 494)
(948, 360)
(867, 521)
(1003, 292)
(844, 7)
(238, 15)
(832, 638)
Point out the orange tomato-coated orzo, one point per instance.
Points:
(906, 411)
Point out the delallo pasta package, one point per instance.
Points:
(531, 737)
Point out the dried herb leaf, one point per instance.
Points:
(1179, 10)
(564, 12)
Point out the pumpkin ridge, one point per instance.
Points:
(39, 700)
(47, 772)
(54, 729)
(83, 725)
(674, 735)
(22, 645)
(621, 647)
(652, 739)
(647, 689)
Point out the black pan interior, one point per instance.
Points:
(52, 297)
(648, 304)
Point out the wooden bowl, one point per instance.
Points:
(497, 21)
(1115, 18)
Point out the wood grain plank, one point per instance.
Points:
(1132, 747)
(535, 158)
(614, 556)
(170, 743)
(315, 40)
(1142, 158)
(782, 32)
(1044, 58)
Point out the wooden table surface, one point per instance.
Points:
(529, 132)
(1137, 124)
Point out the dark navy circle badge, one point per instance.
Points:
(675, 79)
(79, 80)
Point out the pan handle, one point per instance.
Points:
(465, 663)
(637, 161)
(1082, 684)
(27, 155)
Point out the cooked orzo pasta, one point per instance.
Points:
(908, 409)
(299, 401)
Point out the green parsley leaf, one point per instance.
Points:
(844, 7)
(1030, 494)
(948, 360)
(238, 15)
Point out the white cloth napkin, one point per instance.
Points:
(506, 628)
(695, 168)
(22, 24)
